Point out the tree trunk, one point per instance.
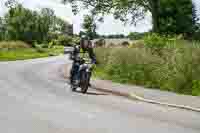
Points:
(155, 15)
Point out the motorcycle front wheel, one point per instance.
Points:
(84, 81)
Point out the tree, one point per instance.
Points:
(195, 18)
(27, 25)
(89, 25)
(136, 35)
(46, 22)
(65, 40)
(114, 36)
(14, 19)
(1, 29)
(123, 9)
(11, 3)
(177, 11)
(196, 28)
(176, 16)
(60, 26)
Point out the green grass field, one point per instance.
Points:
(11, 51)
(20, 54)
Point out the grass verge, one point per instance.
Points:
(27, 53)
(174, 69)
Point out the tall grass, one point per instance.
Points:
(176, 68)
(13, 45)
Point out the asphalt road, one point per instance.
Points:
(34, 98)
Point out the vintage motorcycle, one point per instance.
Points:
(82, 79)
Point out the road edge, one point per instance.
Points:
(134, 96)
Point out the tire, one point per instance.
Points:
(73, 88)
(84, 82)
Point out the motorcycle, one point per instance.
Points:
(83, 80)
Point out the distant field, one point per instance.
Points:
(114, 42)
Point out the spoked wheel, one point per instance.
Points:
(84, 82)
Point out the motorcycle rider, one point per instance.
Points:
(82, 51)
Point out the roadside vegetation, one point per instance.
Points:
(28, 34)
(169, 64)
(11, 51)
(167, 57)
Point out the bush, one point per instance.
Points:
(157, 42)
(136, 35)
(13, 45)
(51, 44)
(65, 40)
(39, 48)
(100, 43)
(75, 40)
(125, 44)
(45, 45)
(196, 87)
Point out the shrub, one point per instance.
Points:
(196, 87)
(100, 43)
(157, 42)
(65, 40)
(51, 44)
(45, 45)
(13, 45)
(39, 48)
(125, 43)
(75, 40)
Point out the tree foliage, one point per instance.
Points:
(20, 23)
(196, 23)
(1, 29)
(167, 15)
(125, 10)
(136, 35)
(176, 17)
(90, 26)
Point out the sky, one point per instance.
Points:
(110, 25)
